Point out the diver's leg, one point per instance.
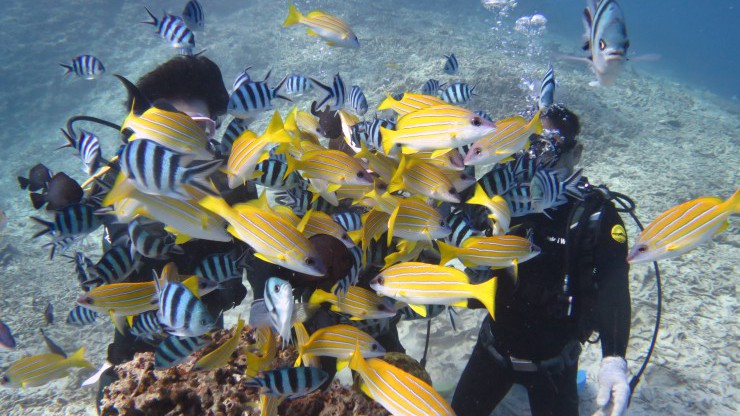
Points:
(554, 394)
(482, 385)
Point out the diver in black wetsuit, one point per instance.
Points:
(578, 284)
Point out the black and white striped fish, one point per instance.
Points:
(378, 249)
(459, 223)
(84, 66)
(290, 382)
(173, 30)
(193, 15)
(337, 92)
(61, 245)
(458, 93)
(349, 220)
(357, 101)
(241, 78)
(70, 221)
(81, 266)
(80, 316)
(353, 275)
(157, 170)
(218, 267)
(180, 312)
(273, 175)
(150, 239)
(505, 176)
(431, 87)
(296, 84)
(301, 200)
(548, 191)
(173, 350)
(251, 98)
(87, 146)
(547, 89)
(374, 140)
(114, 266)
(451, 64)
(233, 130)
(146, 325)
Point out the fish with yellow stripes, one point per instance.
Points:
(333, 166)
(451, 160)
(38, 370)
(398, 391)
(331, 28)
(339, 341)
(317, 222)
(262, 354)
(426, 284)
(273, 239)
(511, 136)
(121, 299)
(359, 303)
(379, 163)
(374, 223)
(439, 128)
(221, 355)
(409, 103)
(248, 150)
(414, 219)
(498, 207)
(497, 251)
(683, 228)
(170, 128)
(423, 178)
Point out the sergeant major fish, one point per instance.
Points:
(193, 15)
(606, 40)
(174, 30)
(84, 66)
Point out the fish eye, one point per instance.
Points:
(442, 223)
(374, 347)
(477, 121)
(204, 322)
(478, 150)
(360, 174)
(380, 280)
(310, 261)
(453, 191)
(602, 44)
(642, 249)
(276, 289)
(345, 237)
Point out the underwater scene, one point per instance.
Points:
(321, 207)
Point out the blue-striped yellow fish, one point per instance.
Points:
(221, 355)
(413, 219)
(331, 28)
(317, 222)
(683, 228)
(439, 128)
(379, 163)
(273, 239)
(248, 150)
(427, 284)
(496, 251)
(122, 299)
(511, 136)
(423, 178)
(498, 207)
(409, 103)
(374, 224)
(359, 303)
(339, 341)
(396, 390)
(170, 128)
(333, 166)
(261, 356)
(40, 369)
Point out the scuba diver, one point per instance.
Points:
(576, 286)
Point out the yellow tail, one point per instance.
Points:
(535, 123)
(480, 197)
(294, 17)
(486, 293)
(388, 102)
(447, 252)
(78, 360)
(735, 202)
(389, 139)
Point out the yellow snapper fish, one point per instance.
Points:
(439, 128)
(409, 103)
(358, 303)
(248, 150)
(421, 284)
(511, 136)
(451, 160)
(301, 338)
(269, 404)
(333, 166)
(273, 239)
(423, 178)
(379, 163)
(499, 209)
(221, 355)
(261, 357)
(170, 128)
(382, 200)
(40, 369)
(407, 251)
(683, 228)
(331, 28)
(374, 224)
(414, 219)
(303, 125)
(396, 390)
(497, 251)
(317, 222)
(354, 192)
(339, 341)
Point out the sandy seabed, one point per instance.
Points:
(650, 137)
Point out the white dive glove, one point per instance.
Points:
(613, 387)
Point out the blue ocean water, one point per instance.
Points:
(656, 135)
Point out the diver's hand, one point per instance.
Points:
(613, 387)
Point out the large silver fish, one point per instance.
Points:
(606, 40)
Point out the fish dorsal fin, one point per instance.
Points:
(192, 284)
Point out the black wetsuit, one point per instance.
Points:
(532, 321)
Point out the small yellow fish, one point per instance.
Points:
(40, 369)
(426, 284)
(339, 341)
(497, 251)
(333, 166)
(331, 28)
(409, 103)
(683, 228)
(317, 222)
(422, 178)
(413, 219)
(374, 224)
(379, 163)
(511, 137)
(221, 355)
(358, 303)
(265, 353)
(439, 128)
(500, 212)
(396, 390)
(170, 128)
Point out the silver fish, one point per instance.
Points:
(547, 89)
(277, 305)
(606, 40)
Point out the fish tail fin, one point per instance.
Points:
(735, 202)
(392, 223)
(357, 362)
(294, 16)
(37, 200)
(329, 93)
(67, 68)
(48, 224)
(320, 296)
(121, 189)
(486, 293)
(388, 102)
(535, 123)
(197, 173)
(154, 21)
(389, 139)
(78, 360)
(216, 204)
(396, 183)
(71, 140)
(447, 252)
(480, 197)
(24, 182)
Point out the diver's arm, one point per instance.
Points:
(613, 308)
